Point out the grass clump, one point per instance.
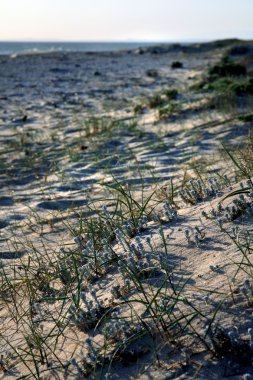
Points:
(171, 93)
(139, 108)
(98, 125)
(159, 99)
(168, 110)
(155, 101)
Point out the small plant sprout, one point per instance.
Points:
(79, 240)
(204, 214)
(244, 290)
(115, 291)
(220, 224)
(169, 212)
(140, 246)
(86, 315)
(196, 191)
(250, 332)
(233, 336)
(92, 351)
(195, 236)
(249, 184)
(131, 229)
(121, 239)
(206, 298)
(187, 236)
(214, 268)
(247, 284)
(150, 245)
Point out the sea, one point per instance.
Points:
(9, 48)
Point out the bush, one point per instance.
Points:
(226, 68)
(234, 86)
(246, 118)
(176, 65)
(242, 88)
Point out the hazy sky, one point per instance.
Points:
(122, 20)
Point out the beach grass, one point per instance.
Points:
(127, 248)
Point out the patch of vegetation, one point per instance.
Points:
(228, 82)
(246, 118)
(247, 60)
(227, 68)
(177, 65)
(243, 87)
(168, 110)
(155, 101)
(158, 99)
(226, 76)
(98, 126)
(119, 290)
(138, 108)
(171, 93)
(237, 87)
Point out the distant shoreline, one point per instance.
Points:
(8, 48)
(34, 48)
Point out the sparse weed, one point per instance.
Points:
(168, 110)
(155, 101)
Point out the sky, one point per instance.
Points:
(125, 20)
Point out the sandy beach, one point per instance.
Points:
(120, 255)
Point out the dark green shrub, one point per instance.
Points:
(242, 88)
(246, 118)
(176, 65)
(220, 84)
(234, 86)
(226, 68)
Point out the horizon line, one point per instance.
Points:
(122, 41)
